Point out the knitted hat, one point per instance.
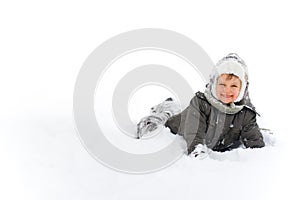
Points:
(231, 64)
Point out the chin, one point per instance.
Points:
(227, 101)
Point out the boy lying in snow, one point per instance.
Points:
(220, 119)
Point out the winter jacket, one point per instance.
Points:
(202, 123)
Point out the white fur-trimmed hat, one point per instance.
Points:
(231, 64)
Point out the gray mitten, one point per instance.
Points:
(200, 152)
(159, 114)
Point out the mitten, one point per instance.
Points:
(200, 152)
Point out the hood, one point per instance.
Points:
(231, 64)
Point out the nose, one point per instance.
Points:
(227, 90)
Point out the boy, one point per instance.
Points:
(220, 119)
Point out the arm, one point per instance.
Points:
(251, 136)
(195, 123)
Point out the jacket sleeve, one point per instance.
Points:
(195, 123)
(250, 135)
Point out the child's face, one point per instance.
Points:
(228, 88)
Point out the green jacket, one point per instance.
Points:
(202, 123)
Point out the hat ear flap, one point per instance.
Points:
(246, 92)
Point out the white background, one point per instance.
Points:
(42, 47)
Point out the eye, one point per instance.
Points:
(235, 86)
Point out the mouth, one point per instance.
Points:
(227, 96)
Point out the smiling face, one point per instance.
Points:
(228, 88)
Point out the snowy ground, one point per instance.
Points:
(42, 49)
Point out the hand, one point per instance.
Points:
(148, 124)
(159, 114)
(200, 152)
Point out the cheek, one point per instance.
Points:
(219, 89)
(236, 91)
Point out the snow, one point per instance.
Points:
(42, 49)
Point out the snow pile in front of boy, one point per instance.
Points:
(53, 164)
